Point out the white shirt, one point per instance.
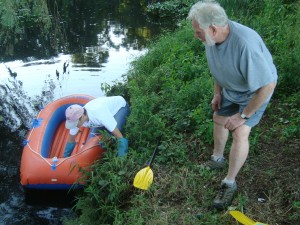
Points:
(101, 112)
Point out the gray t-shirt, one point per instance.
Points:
(241, 64)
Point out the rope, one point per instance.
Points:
(56, 165)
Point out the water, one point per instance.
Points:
(78, 78)
(103, 38)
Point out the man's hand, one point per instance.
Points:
(216, 102)
(234, 122)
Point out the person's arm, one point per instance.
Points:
(69, 146)
(258, 99)
(71, 138)
(217, 88)
(121, 142)
(261, 95)
(117, 133)
(217, 99)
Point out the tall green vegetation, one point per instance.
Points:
(20, 19)
(170, 89)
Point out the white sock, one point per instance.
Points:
(217, 158)
(227, 181)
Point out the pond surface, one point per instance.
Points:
(102, 38)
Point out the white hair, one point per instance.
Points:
(208, 13)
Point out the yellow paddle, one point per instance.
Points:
(144, 178)
(242, 218)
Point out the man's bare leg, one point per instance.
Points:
(239, 151)
(237, 157)
(220, 135)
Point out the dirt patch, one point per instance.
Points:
(271, 176)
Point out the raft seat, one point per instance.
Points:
(60, 141)
(81, 139)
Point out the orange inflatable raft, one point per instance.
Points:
(42, 165)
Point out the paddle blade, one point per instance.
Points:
(242, 218)
(143, 179)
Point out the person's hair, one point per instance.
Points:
(208, 13)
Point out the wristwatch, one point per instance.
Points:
(244, 116)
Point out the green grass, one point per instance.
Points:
(169, 90)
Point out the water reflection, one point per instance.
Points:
(97, 40)
(81, 72)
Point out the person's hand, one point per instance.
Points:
(68, 149)
(234, 122)
(122, 147)
(216, 102)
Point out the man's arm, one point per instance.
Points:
(121, 142)
(217, 88)
(258, 99)
(216, 101)
(117, 133)
(71, 138)
(69, 146)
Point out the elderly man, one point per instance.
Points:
(108, 113)
(244, 81)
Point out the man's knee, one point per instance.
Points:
(220, 120)
(241, 133)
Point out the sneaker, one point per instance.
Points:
(225, 196)
(215, 165)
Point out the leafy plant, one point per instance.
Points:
(173, 9)
(19, 19)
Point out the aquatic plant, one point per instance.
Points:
(17, 108)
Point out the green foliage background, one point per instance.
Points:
(22, 18)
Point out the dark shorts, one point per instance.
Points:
(229, 108)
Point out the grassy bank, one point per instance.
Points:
(170, 90)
